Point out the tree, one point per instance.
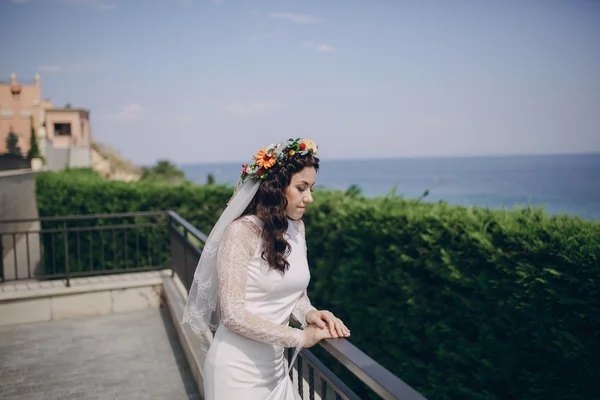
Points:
(34, 150)
(12, 145)
(210, 179)
(425, 194)
(163, 171)
(353, 191)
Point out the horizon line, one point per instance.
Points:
(491, 155)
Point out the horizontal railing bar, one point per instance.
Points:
(189, 227)
(86, 228)
(379, 379)
(87, 216)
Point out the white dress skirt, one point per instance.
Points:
(246, 357)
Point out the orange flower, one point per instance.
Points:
(264, 160)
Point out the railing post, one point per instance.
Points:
(66, 252)
(172, 227)
(185, 269)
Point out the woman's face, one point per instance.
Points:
(299, 192)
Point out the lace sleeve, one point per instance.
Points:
(303, 306)
(239, 244)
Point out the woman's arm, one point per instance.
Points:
(303, 306)
(238, 246)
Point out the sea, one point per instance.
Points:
(561, 184)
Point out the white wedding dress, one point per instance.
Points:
(245, 359)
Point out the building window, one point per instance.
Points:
(62, 129)
(25, 113)
(6, 112)
(15, 91)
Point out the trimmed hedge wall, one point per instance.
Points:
(460, 303)
(464, 303)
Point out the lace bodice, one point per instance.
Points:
(256, 301)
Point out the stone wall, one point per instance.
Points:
(18, 201)
(62, 157)
(57, 158)
(80, 157)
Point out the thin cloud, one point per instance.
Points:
(131, 112)
(300, 19)
(20, 1)
(321, 48)
(250, 109)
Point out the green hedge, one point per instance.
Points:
(464, 302)
(77, 191)
(461, 303)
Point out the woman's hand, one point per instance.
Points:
(314, 334)
(324, 318)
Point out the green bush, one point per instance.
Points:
(75, 192)
(460, 303)
(463, 303)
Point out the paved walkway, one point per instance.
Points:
(120, 356)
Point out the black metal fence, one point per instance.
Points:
(187, 243)
(95, 244)
(10, 162)
(83, 245)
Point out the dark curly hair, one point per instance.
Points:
(269, 205)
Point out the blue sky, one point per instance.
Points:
(214, 80)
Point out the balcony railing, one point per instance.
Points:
(11, 162)
(96, 244)
(83, 245)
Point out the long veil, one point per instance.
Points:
(202, 309)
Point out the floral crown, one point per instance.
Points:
(277, 154)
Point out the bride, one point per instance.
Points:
(252, 278)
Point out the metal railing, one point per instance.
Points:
(95, 244)
(186, 246)
(10, 162)
(83, 245)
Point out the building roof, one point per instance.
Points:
(69, 109)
